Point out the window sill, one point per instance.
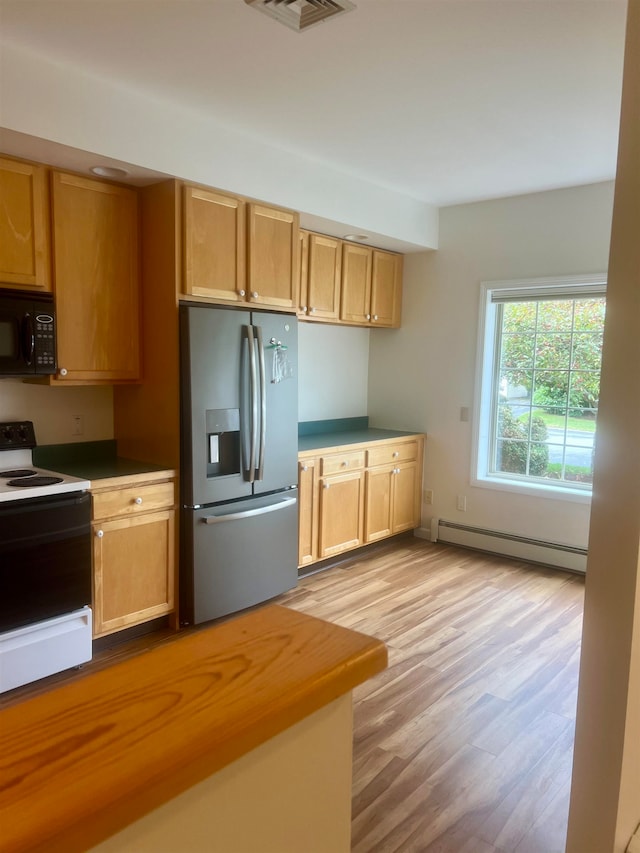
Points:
(534, 490)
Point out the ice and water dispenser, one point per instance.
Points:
(223, 442)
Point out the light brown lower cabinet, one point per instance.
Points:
(133, 552)
(356, 494)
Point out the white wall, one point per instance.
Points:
(420, 375)
(52, 409)
(333, 371)
(66, 105)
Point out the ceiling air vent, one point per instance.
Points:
(300, 14)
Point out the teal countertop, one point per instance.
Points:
(90, 460)
(315, 435)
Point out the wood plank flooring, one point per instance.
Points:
(464, 744)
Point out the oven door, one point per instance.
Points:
(45, 558)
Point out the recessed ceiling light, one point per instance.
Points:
(356, 237)
(109, 172)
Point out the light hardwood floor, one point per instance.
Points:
(464, 744)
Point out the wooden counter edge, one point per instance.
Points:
(131, 783)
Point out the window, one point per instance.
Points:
(541, 348)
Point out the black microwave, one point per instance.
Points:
(27, 333)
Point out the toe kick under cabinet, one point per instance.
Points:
(356, 494)
(133, 550)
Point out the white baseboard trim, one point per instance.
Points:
(506, 544)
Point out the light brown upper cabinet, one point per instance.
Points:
(272, 256)
(95, 255)
(371, 286)
(320, 277)
(214, 245)
(238, 251)
(24, 226)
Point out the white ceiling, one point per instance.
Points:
(444, 101)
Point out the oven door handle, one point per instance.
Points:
(28, 339)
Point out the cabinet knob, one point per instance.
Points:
(304, 309)
(99, 533)
(326, 486)
(63, 371)
(368, 316)
(313, 311)
(345, 463)
(242, 292)
(138, 501)
(396, 453)
(255, 294)
(305, 467)
(375, 316)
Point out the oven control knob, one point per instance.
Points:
(99, 533)
(63, 371)
(138, 501)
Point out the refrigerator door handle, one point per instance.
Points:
(250, 474)
(263, 404)
(235, 516)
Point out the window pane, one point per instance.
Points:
(555, 316)
(551, 388)
(517, 351)
(584, 389)
(589, 314)
(587, 351)
(519, 317)
(553, 350)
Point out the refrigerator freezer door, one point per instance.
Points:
(243, 553)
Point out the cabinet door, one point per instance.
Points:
(24, 226)
(377, 516)
(95, 228)
(341, 506)
(386, 289)
(307, 512)
(356, 284)
(325, 265)
(303, 267)
(133, 570)
(214, 245)
(273, 239)
(406, 497)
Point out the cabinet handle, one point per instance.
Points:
(138, 501)
(242, 292)
(63, 371)
(99, 533)
(396, 453)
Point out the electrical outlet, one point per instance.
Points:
(461, 503)
(77, 427)
(464, 414)
(427, 496)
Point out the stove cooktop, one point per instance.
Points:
(19, 478)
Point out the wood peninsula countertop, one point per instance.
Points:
(79, 763)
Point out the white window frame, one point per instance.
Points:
(485, 368)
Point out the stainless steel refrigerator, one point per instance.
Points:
(239, 451)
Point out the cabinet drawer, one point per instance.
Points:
(132, 499)
(338, 463)
(392, 453)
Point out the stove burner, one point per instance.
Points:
(25, 482)
(17, 472)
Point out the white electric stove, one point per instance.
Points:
(45, 564)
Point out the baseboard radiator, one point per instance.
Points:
(507, 545)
